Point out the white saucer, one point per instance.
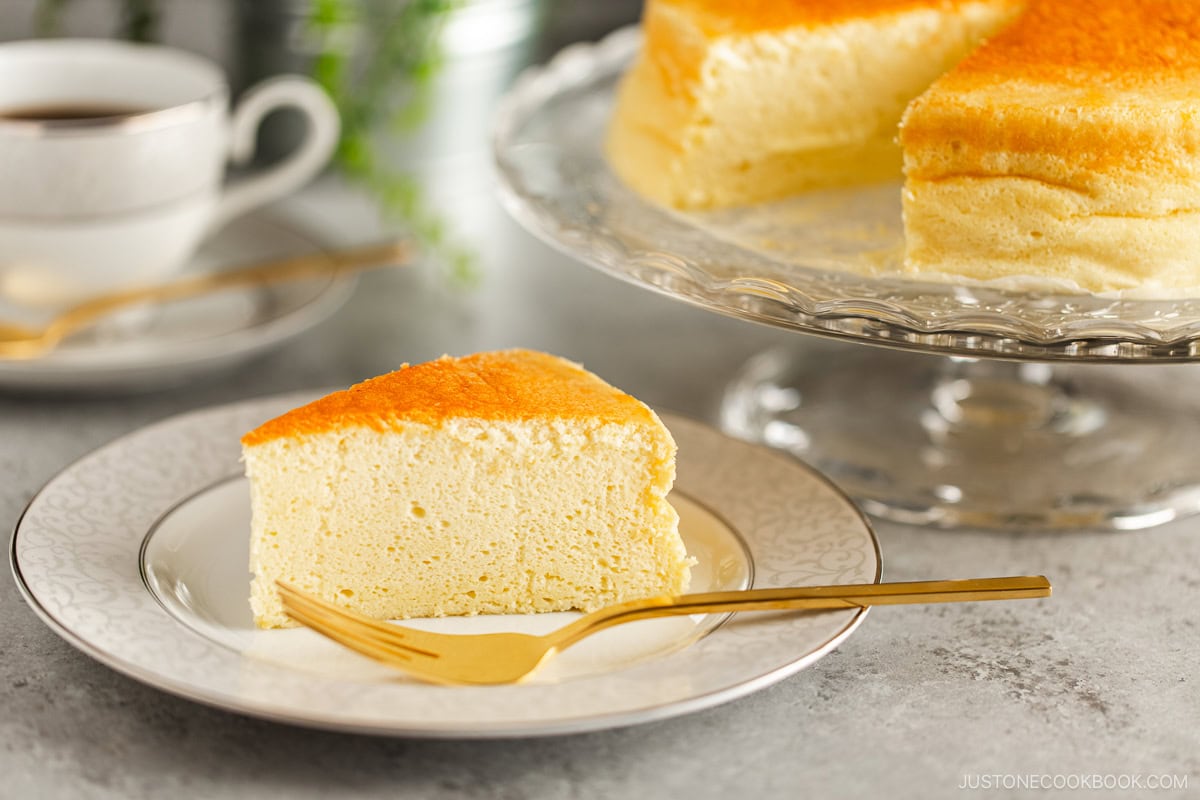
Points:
(190, 337)
(138, 557)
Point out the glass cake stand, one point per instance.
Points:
(1002, 415)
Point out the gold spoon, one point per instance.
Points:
(23, 342)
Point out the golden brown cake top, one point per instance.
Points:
(1072, 90)
(730, 17)
(1124, 43)
(679, 33)
(509, 385)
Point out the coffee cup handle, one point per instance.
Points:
(297, 168)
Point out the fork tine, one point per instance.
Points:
(295, 595)
(355, 636)
(383, 634)
(327, 615)
(364, 645)
(287, 591)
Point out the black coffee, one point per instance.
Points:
(68, 111)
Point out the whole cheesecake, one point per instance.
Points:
(733, 102)
(504, 482)
(1052, 144)
(1066, 147)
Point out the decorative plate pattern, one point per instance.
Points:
(822, 263)
(78, 557)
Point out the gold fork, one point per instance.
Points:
(493, 658)
(19, 341)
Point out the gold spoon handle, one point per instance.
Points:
(813, 597)
(286, 269)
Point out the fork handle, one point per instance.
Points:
(808, 597)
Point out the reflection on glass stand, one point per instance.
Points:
(1016, 407)
(958, 442)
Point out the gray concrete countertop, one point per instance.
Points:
(1099, 681)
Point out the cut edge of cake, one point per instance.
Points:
(714, 118)
(1066, 148)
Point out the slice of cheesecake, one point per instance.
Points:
(506, 482)
(734, 102)
(1067, 147)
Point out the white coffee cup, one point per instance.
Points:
(113, 159)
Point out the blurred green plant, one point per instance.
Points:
(377, 59)
(386, 80)
(138, 22)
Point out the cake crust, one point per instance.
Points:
(512, 384)
(1098, 44)
(1102, 86)
(717, 18)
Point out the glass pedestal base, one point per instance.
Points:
(954, 442)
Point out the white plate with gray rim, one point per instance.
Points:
(150, 348)
(137, 554)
